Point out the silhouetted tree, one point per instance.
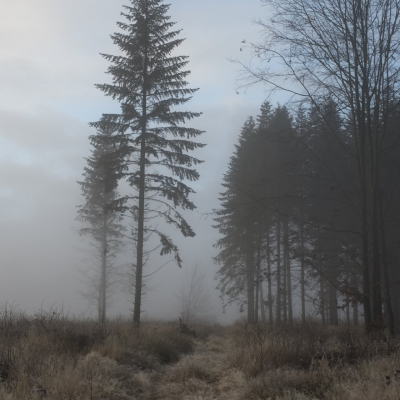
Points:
(99, 213)
(236, 222)
(149, 81)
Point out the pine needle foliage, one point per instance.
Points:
(236, 217)
(148, 80)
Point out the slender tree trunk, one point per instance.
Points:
(278, 273)
(103, 290)
(99, 301)
(322, 299)
(364, 239)
(348, 323)
(359, 133)
(284, 284)
(355, 314)
(376, 265)
(257, 284)
(347, 314)
(260, 279)
(395, 295)
(284, 278)
(270, 309)
(396, 301)
(355, 305)
(103, 270)
(327, 315)
(142, 190)
(262, 305)
(333, 315)
(250, 277)
(288, 273)
(388, 300)
(302, 275)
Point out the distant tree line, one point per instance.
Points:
(333, 177)
(289, 218)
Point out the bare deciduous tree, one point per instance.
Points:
(348, 50)
(194, 297)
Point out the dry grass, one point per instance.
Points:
(309, 362)
(54, 357)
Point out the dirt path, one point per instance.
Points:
(197, 376)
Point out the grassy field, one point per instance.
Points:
(53, 357)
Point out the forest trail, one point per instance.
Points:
(196, 376)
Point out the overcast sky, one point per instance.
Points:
(49, 63)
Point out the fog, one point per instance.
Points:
(49, 64)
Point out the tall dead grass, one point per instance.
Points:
(309, 361)
(55, 357)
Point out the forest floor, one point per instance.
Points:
(56, 358)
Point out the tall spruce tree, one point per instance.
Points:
(236, 221)
(148, 81)
(99, 213)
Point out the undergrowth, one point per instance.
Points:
(54, 357)
(309, 361)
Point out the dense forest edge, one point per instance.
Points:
(291, 240)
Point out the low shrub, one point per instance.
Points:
(258, 348)
(167, 346)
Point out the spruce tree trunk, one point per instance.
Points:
(284, 277)
(257, 284)
(395, 295)
(322, 298)
(284, 291)
(333, 315)
(250, 277)
(355, 305)
(270, 308)
(288, 273)
(258, 279)
(103, 273)
(142, 182)
(386, 284)
(103, 289)
(302, 275)
(355, 314)
(278, 272)
(348, 323)
(103, 258)
(99, 301)
(327, 315)
(365, 270)
(396, 307)
(347, 314)
(364, 233)
(262, 305)
(376, 265)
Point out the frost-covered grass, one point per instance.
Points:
(55, 357)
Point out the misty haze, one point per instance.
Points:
(200, 201)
